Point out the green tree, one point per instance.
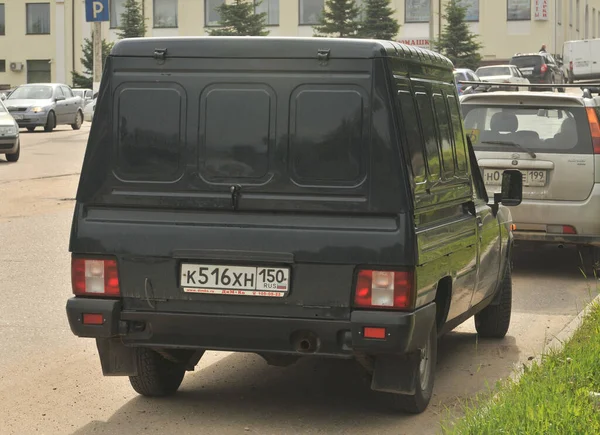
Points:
(239, 19)
(339, 19)
(87, 61)
(456, 41)
(133, 23)
(379, 21)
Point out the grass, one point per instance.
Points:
(555, 396)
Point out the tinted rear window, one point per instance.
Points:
(237, 125)
(148, 134)
(546, 130)
(493, 71)
(326, 134)
(526, 61)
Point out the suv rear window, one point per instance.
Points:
(526, 61)
(545, 130)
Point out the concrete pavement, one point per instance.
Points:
(51, 381)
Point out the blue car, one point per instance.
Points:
(464, 75)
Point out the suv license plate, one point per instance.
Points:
(531, 178)
(234, 280)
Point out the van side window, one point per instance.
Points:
(459, 138)
(429, 135)
(414, 139)
(149, 141)
(326, 135)
(445, 140)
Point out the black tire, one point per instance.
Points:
(30, 129)
(14, 157)
(50, 122)
(595, 261)
(494, 320)
(157, 376)
(78, 121)
(418, 402)
(561, 90)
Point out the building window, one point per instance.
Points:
(269, 7)
(2, 20)
(311, 11)
(2, 65)
(38, 18)
(212, 17)
(38, 71)
(559, 11)
(472, 10)
(165, 13)
(518, 10)
(417, 11)
(117, 7)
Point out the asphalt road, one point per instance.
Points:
(51, 381)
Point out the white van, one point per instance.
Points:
(582, 58)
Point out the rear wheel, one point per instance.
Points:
(423, 370)
(14, 157)
(494, 320)
(156, 376)
(50, 122)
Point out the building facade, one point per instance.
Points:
(40, 40)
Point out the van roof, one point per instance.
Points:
(275, 47)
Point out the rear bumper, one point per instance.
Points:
(405, 332)
(532, 216)
(560, 239)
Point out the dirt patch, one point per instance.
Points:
(37, 196)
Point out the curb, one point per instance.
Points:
(557, 342)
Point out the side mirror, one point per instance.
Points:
(3, 97)
(57, 99)
(512, 189)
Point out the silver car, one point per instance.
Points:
(9, 135)
(554, 140)
(45, 105)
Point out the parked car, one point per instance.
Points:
(466, 75)
(503, 74)
(88, 111)
(9, 135)
(583, 59)
(85, 94)
(349, 220)
(45, 105)
(554, 140)
(540, 68)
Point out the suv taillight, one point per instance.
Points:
(594, 128)
(384, 289)
(95, 277)
(571, 65)
(544, 68)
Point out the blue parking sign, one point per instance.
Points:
(96, 10)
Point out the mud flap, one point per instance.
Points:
(116, 359)
(395, 374)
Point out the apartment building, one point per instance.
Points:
(40, 40)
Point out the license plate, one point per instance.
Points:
(240, 281)
(531, 178)
(18, 116)
(526, 73)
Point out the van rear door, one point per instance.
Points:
(247, 182)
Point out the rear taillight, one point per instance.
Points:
(571, 65)
(594, 128)
(544, 68)
(97, 277)
(561, 229)
(384, 289)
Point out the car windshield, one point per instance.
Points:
(536, 129)
(32, 92)
(526, 61)
(493, 71)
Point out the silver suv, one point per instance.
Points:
(554, 140)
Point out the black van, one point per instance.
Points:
(288, 197)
